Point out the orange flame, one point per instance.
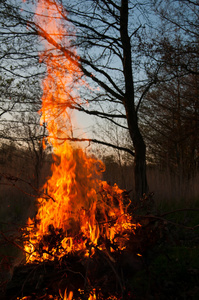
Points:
(66, 217)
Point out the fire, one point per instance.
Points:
(79, 215)
(69, 297)
(79, 209)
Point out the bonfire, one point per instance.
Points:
(84, 230)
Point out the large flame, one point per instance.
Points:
(67, 217)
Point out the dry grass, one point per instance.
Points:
(169, 189)
(172, 190)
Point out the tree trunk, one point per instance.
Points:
(141, 186)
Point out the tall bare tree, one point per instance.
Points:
(108, 40)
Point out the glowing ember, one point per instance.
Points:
(80, 212)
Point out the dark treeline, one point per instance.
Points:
(22, 181)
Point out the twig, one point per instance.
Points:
(168, 221)
(12, 178)
(14, 243)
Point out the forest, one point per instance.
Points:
(99, 117)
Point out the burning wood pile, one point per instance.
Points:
(91, 255)
(80, 261)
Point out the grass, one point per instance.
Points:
(14, 210)
(172, 274)
(171, 269)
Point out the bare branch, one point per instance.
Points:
(97, 142)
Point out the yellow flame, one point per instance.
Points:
(66, 217)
